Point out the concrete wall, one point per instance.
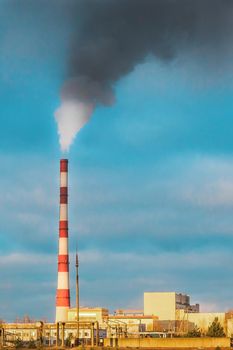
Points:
(161, 304)
(171, 342)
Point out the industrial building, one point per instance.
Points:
(87, 314)
(175, 315)
(201, 320)
(166, 304)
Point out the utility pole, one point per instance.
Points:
(77, 297)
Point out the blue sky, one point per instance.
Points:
(151, 180)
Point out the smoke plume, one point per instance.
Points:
(113, 36)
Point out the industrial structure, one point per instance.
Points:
(63, 283)
(166, 304)
(175, 316)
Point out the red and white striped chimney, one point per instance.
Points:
(63, 284)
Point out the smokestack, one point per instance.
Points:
(63, 284)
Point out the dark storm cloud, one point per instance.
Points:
(115, 35)
(108, 38)
(96, 43)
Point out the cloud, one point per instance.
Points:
(167, 227)
(192, 272)
(212, 186)
(128, 204)
(182, 196)
(28, 204)
(28, 280)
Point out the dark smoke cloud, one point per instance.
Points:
(115, 35)
(106, 39)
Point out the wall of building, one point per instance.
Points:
(88, 314)
(170, 342)
(161, 304)
(203, 320)
(182, 299)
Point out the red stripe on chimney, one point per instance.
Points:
(63, 233)
(63, 263)
(63, 224)
(62, 302)
(63, 267)
(64, 165)
(63, 199)
(63, 297)
(63, 191)
(63, 258)
(63, 293)
(63, 195)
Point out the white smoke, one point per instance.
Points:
(79, 97)
(71, 116)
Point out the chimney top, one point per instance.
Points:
(64, 165)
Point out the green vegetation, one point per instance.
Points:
(215, 329)
(18, 343)
(32, 344)
(194, 333)
(68, 340)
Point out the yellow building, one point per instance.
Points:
(88, 314)
(122, 322)
(165, 304)
(201, 320)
